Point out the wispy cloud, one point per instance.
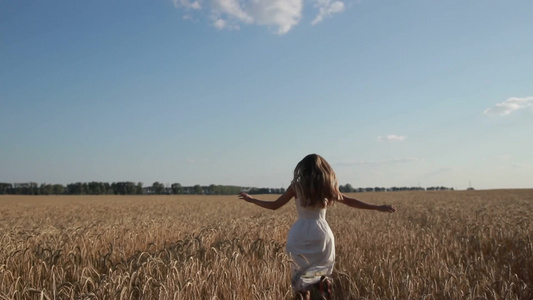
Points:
(502, 157)
(510, 105)
(440, 172)
(280, 15)
(187, 4)
(326, 8)
(381, 162)
(392, 138)
(232, 9)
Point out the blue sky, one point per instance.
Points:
(391, 93)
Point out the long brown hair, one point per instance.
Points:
(315, 182)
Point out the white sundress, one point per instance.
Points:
(311, 246)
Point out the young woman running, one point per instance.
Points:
(310, 242)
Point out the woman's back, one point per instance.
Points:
(313, 213)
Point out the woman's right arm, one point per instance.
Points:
(282, 200)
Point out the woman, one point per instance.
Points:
(310, 242)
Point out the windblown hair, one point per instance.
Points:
(315, 182)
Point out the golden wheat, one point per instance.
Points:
(439, 245)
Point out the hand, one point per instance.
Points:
(387, 208)
(244, 196)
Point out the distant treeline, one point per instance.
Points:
(126, 188)
(347, 188)
(157, 188)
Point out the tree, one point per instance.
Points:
(347, 188)
(176, 188)
(124, 188)
(197, 189)
(139, 189)
(5, 188)
(77, 188)
(58, 189)
(95, 188)
(158, 188)
(46, 189)
(131, 188)
(213, 189)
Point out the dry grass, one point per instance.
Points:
(440, 245)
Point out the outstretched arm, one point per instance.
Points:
(352, 202)
(282, 200)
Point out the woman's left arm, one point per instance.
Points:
(282, 200)
(352, 202)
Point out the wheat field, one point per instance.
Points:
(439, 245)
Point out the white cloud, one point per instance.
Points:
(284, 14)
(392, 138)
(510, 105)
(232, 9)
(189, 18)
(280, 15)
(220, 24)
(326, 8)
(188, 4)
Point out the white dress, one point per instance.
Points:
(311, 246)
